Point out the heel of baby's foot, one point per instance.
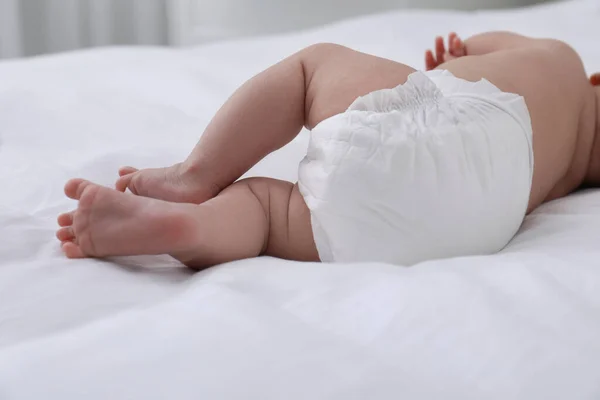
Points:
(179, 226)
(190, 260)
(188, 231)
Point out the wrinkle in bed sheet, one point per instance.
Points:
(523, 324)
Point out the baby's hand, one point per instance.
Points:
(456, 49)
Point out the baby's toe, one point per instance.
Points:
(65, 219)
(65, 234)
(74, 188)
(127, 170)
(123, 182)
(71, 250)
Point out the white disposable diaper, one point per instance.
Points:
(436, 167)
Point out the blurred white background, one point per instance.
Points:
(30, 27)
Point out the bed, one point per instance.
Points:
(522, 324)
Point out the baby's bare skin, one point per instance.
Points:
(230, 221)
(561, 101)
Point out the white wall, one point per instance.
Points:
(10, 34)
(29, 27)
(240, 17)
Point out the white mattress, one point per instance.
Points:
(523, 324)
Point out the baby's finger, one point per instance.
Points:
(448, 57)
(451, 37)
(439, 49)
(458, 47)
(429, 60)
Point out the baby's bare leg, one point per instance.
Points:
(266, 113)
(250, 218)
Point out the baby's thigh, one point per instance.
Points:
(290, 231)
(337, 76)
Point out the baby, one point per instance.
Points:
(445, 158)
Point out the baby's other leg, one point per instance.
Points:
(250, 218)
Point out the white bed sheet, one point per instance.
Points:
(523, 324)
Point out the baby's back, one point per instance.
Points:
(560, 100)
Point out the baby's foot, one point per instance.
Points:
(109, 223)
(169, 184)
(456, 49)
